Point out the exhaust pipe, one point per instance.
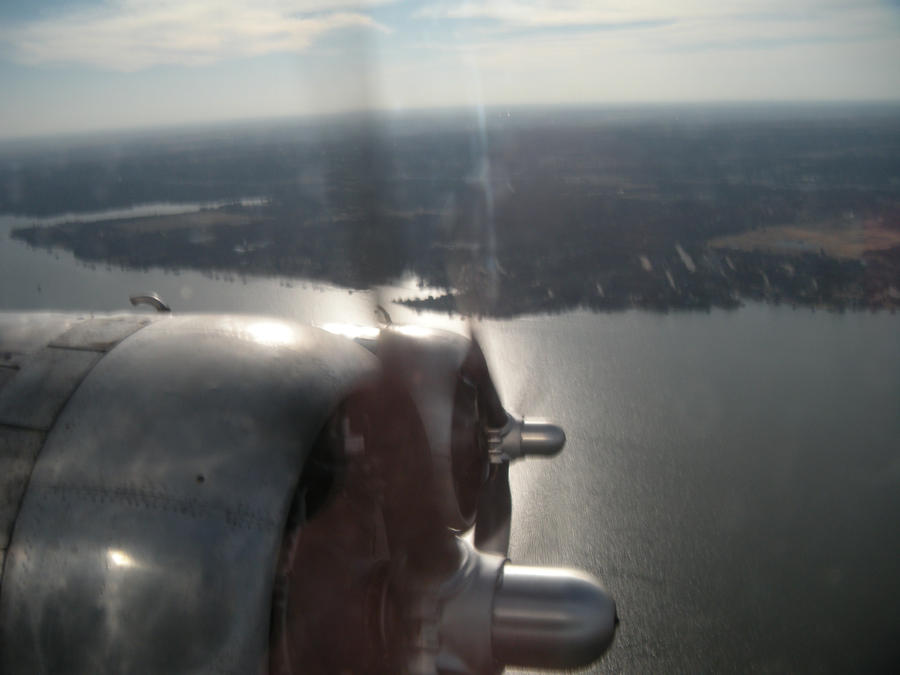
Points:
(550, 618)
(492, 614)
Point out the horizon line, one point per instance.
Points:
(94, 133)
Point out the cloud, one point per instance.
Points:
(675, 50)
(524, 13)
(129, 35)
(689, 23)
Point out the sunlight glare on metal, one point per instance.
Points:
(412, 330)
(352, 331)
(271, 333)
(119, 558)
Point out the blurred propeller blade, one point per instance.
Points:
(476, 368)
(492, 527)
(529, 397)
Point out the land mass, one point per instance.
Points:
(539, 211)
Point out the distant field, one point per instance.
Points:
(842, 239)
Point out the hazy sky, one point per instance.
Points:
(91, 64)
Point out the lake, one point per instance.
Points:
(733, 476)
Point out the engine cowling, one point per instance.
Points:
(242, 494)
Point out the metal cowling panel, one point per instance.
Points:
(43, 359)
(18, 450)
(149, 533)
(26, 332)
(36, 394)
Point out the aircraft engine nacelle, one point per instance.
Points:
(233, 494)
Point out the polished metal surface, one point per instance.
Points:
(151, 299)
(550, 618)
(43, 359)
(489, 614)
(34, 396)
(148, 536)
(466, 599)
(541, 438)
(27, 332)
(49, 355)
(18, 450)
(520, 438)
(100, 333)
